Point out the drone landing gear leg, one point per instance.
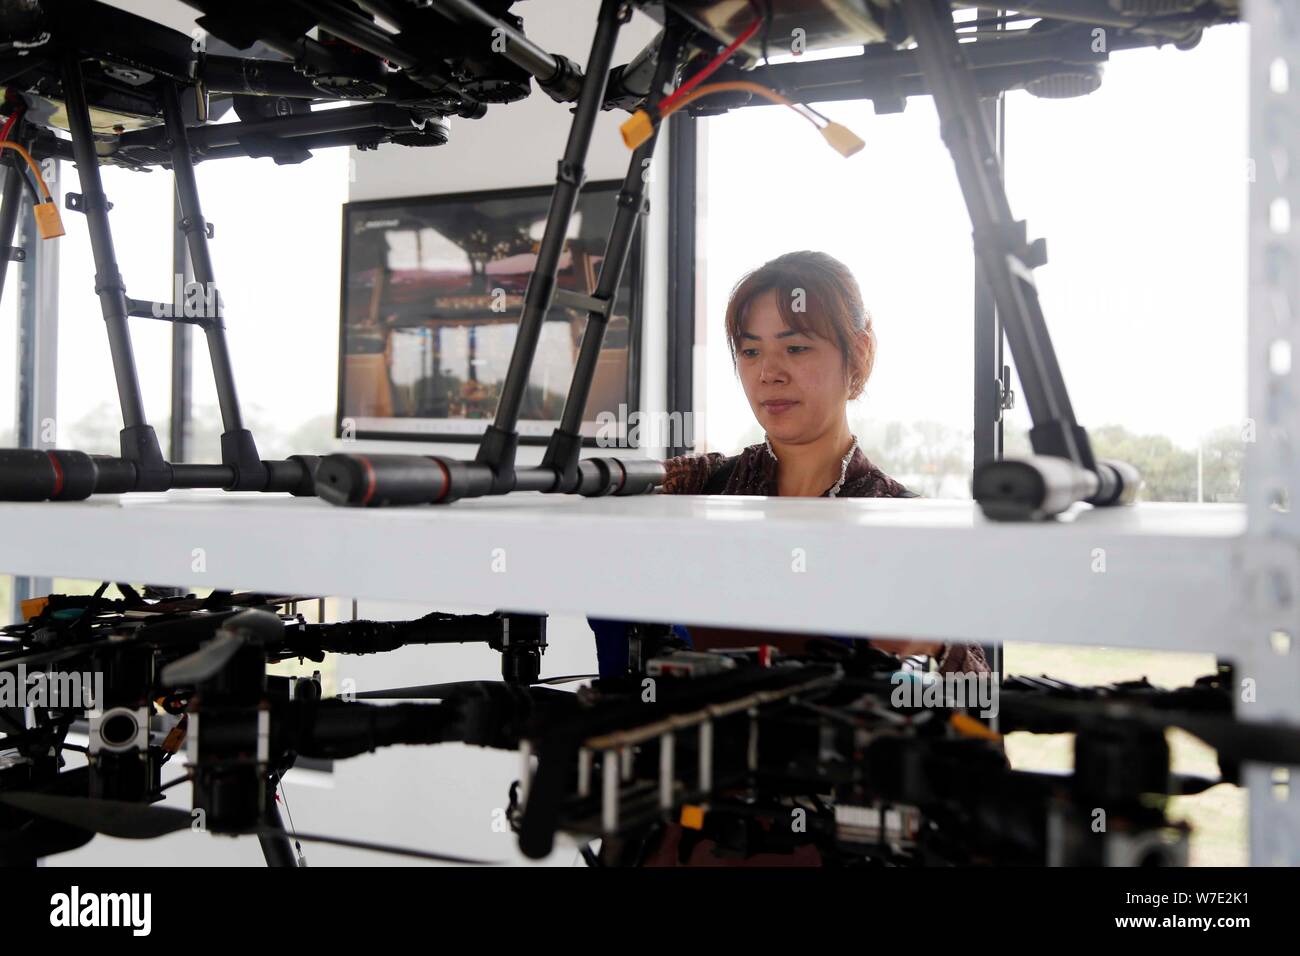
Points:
(374, 480)
(497, 449)
(276, 847)
(28, 474)
(1064, 470)
(10, 207)
(238, 450)
(138, 440)
(565, 446)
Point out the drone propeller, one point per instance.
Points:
(460, 688)
(141, 821)
(38, 837)
(212, 657)
(115, 818)
(162, 632)
(205, 663)
(566, 679)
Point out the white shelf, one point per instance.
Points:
(882, 567)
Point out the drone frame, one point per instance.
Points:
(1063, 469)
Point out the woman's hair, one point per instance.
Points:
(816, 294)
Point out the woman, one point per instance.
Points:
(803, 347)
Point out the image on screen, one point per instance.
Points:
(433, 288)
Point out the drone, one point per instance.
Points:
(95, 85)
(730, 745)
(164, 671)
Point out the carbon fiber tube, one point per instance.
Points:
(1120, 482)
(306, 124)
(27, 474)
(78, 473)
(114, 476)
(296, 475)
(108, 280)
(548, 70)
(619, 476)
(379, 480)
(202, 476)
(256, 77)
(9, 209)
(32, 474)
(342, 730)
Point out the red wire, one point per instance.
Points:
(9, 124)
(716, 62)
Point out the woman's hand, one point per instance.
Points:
(905, 648)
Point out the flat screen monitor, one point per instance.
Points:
(433, 289)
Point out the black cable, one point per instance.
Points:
(292, 828)
(83, 621)
(17, 165)
(183, 778)
(16, 161)
(996, 21)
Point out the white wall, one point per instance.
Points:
(444, 798)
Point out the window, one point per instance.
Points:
(89, 413)
(1140, 190)
(894, 215)
(275, 254)
(276, 259)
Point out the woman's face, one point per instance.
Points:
(794, 381)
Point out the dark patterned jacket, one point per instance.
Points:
(754, 472)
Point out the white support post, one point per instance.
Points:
(1268, 665)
